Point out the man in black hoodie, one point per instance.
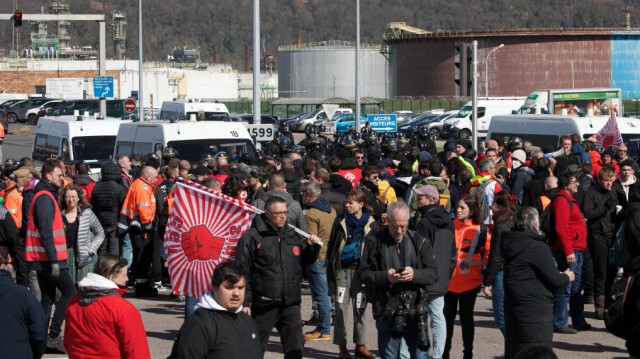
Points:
(106, 202)
(436, 225)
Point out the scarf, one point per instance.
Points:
(355, 226)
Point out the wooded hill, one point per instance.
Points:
(225, 26)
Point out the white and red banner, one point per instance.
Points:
(609, 134)
(203, 231)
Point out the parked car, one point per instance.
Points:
(435, 126)
(301, 124)
(346, 122)
(115, 108)
(33, 113)
(414, 125)
(18, 111)
(402, 115)
(8, 103)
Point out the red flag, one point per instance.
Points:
(609, 134)
(203, 231)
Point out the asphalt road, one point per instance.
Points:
(163, 316)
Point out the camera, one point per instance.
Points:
(401, 315)
(421, 317)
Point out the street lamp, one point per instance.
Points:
(140, 69)
(573, 84)
(486, 70)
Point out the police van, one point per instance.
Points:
(76, 138)
(193, 140)
(545, 130)
(184, 110)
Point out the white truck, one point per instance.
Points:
(588, 101)
(183, 110)
(459, 125)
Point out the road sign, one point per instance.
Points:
(130, 105)
(261, 132)
(383, 123)
(103, 86)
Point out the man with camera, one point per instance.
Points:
(397, 265)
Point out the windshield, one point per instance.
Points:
(195, 150)
(208, 116)
(312, 114)
(93, 149)
(464, 112)
(442, 117)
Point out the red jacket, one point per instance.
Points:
(597, 166)
(571, 231)
(352, 175)
(108, 327)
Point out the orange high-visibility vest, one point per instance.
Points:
(470, 256)
(13, 203)
(34, 249)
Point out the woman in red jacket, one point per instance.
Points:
(472, 246)
(99, 322)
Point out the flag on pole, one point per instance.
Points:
(609, 134)
(203, 230)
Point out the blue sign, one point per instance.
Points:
(103, 86)
(383, 123)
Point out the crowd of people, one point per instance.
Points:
(392, 223)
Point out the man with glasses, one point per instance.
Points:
(359, 156)
(571, 240)
(623, 155)
(271, 254)
(397, 265)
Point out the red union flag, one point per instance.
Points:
(203, 231)
(609, 134)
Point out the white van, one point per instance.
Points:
(459, 125)
(204, 111)
(76, 138)
(191, 139)
(546, 130)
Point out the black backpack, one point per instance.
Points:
(618, 318)
(547, 222)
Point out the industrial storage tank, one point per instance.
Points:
(327, 69)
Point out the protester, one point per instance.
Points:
(271, 254)
(472, 244)
(503, 208)
(277, 188)
(344, 255)
(435, 224)
(46, 250)
(23, 333)
(571, 240)
(320, 217)
(100, 323)
(106, 202)
(219, 329)
(398, 264)
(530, 278)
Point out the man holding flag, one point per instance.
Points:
(271, 255)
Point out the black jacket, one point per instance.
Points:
(438, 227)
(530, 277)
(214, 333)
(294, 185)
(600, 211)
(23, 333)
(534, 189)
(43, 214)
(107, 196)
(340, 184)
(8, 230)
(495, 264)
(272, 260)
(373, 267)
(335, 198)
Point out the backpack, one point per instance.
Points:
(623, 297)
(619, 255)
(547, 222)
(480, 195)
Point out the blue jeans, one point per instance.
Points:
(435, 304)
(189, 306)
(390, 348)
(127, 250)
(317, 276)
(570, 294)
(497, 299)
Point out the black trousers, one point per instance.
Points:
(142, 243)
(111, 244)
(587, 273)
(603, 273)
(157, 262)
(287, 321)
(467, 302)
(48, 286)
(20, 264)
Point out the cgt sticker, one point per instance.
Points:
(296, 250)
